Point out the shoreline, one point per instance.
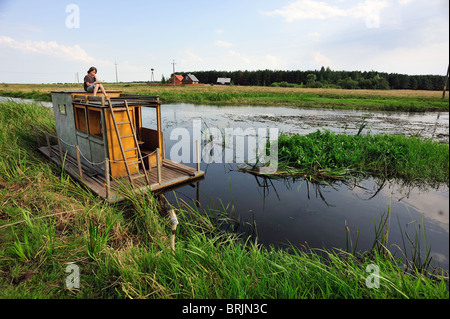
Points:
(358, 99)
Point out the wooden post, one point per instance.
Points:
(158, 165)
(48, 144)
(80, 170)
(163, 145)
(61, 157)
(37, 136)
(446, 82)
(197, 143)
(174, 221)
(108, 179)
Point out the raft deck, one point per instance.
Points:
(172, 175)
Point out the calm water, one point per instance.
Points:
(292, 211)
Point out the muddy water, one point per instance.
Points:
(277, 212)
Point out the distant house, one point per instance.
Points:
(190, 79)
(224, 81)
(178, 79)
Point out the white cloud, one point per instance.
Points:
(321, 60)
(310, 9)
(273, 61)
(51, 48)
(315, 36)
(189, 57)
(420, 60)
(238, 56)
(369, 11)
(223, 44)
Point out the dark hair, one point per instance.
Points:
(92, 68)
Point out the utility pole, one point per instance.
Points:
(446, 82)
(77, 78)
(115, 64)
(173, 68)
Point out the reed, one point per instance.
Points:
(325, 155)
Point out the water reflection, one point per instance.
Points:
(296, 211)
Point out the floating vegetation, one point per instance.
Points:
(325, 155)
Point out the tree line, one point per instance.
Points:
(325, 78)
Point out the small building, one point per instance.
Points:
(224, 81)
(103, 143)
(178, 79)
(190, 79)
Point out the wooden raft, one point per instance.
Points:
(172, 175)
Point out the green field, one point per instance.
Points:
(388, 100)
(47, 222)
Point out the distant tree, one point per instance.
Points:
(348, 83)
(310, 79)
(326, 77)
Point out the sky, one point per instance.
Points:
(57, 41)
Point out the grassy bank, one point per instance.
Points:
(324, 154)
(388, 100)
(48, 222)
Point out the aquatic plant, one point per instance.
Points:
(324, 154)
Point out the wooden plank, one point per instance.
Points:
(140, 97)
(170, 178)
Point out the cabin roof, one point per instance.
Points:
(120, 103)
(81, 98)
(192, 77)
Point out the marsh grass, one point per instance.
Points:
(47, 221)
(325, 155)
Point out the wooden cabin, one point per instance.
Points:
(224, 81)
(178, 79)
(102, 143)
(190, 79)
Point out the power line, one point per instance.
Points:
(173, 68)
(115, 65)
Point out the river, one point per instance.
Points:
(283, 212)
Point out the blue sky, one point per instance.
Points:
(50, 41)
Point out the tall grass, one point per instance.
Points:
(123, 250)
(324, 154)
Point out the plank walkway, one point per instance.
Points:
(173, 175)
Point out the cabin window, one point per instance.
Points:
(95, 122)
(80, 118)
(62, 109)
